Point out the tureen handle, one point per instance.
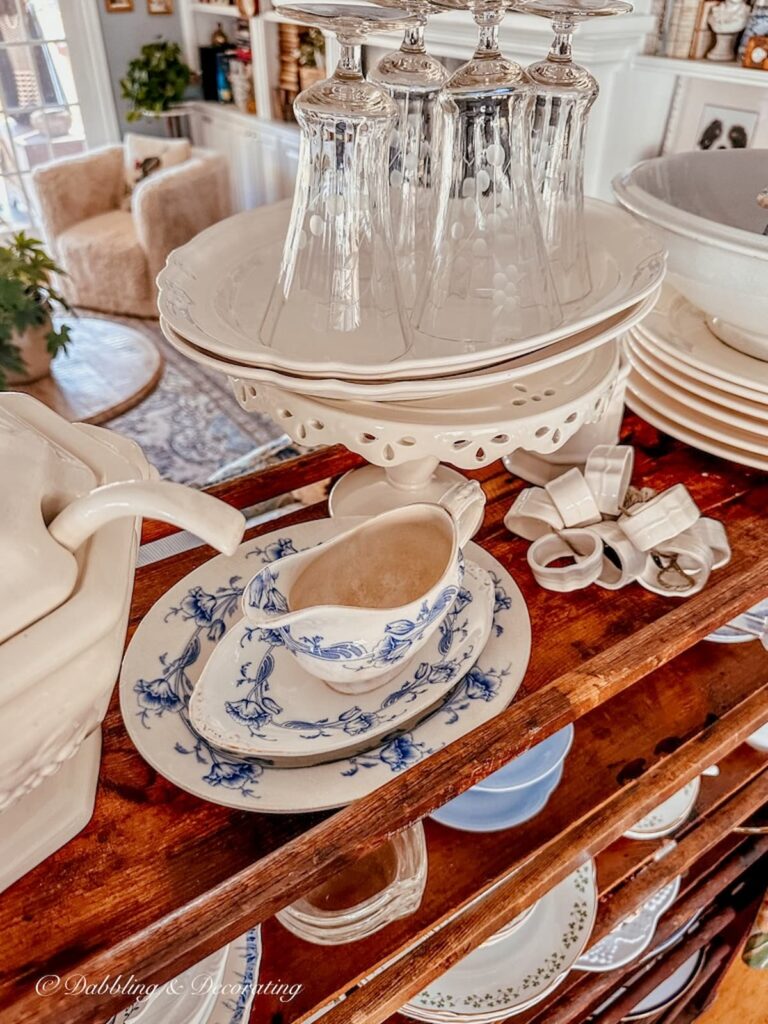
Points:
(211, 520)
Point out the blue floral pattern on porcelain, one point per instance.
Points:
(209, 614)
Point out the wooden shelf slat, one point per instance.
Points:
(159, 879)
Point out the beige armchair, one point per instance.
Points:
(112, 255)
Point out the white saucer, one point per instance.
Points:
(681, 330)
(633, 936)
(669, 816)
(218, 990)
(214, 291)
(176, 637)
(696, 440)
(253, 699)
(507, 976)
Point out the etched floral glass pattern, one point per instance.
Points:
(413, 78)
(490, 280)
(564, 94)
(337, 279)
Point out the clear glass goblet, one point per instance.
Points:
(337, 294)
(565, 93)
(490, 280)
(413, 78)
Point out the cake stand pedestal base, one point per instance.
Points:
(371, 489)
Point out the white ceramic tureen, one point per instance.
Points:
(706, 206)
(71, 502)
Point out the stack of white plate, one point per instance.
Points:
(214, 291)
(691, 385)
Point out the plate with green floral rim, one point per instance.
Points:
(174, 640)
(668, 816)
(510, 975)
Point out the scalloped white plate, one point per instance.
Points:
(167, 653)
(214, 291)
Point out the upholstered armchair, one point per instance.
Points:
(112, 254)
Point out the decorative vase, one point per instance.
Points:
(33, 345)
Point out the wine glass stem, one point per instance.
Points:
(350, 60)
(560, 50)
(488, 41)
(413, 39)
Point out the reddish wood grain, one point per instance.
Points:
(158, 879)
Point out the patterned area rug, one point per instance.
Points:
(191, 427)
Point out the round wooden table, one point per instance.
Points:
(108, 369)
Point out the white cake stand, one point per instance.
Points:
(407, 443)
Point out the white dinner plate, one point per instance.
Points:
(632, 936)
(707, 425)
(669, 815)
(218, 990)
(175, 638)
(506, 976)
(697, 405)
(680, 329)
(253, 698)
(726, 395)
(705, 444)
(214, 291)
(413, 390)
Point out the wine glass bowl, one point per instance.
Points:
(337, 279)
(564, 94)
(490, 279)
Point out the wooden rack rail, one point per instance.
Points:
(160, 879)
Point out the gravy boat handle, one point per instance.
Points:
(213, 521)
(465, 504)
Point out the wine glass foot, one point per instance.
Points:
(372, 489)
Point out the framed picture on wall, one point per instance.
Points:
(118, 6)
(160, 6)
(711, 114)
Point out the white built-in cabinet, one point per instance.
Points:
(627, 123)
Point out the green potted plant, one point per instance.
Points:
(155, 80)
(28, 338)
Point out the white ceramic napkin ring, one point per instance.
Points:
(607, 473)
(583, 547)
(573, 499)
(711, 533)
(533, 514)
(622, 561)
(654, 522)
(680, 569)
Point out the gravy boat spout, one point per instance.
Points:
(352, 609)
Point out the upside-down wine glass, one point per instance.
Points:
(564, 94)
(490, 281)
(337, 295)
(413, 78)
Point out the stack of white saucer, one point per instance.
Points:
(690, 384)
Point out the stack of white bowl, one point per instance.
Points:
(700, 360)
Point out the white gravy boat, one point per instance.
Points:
(353, 609)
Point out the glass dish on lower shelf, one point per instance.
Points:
(377, 889)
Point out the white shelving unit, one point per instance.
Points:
(627, 122)
(712, 70)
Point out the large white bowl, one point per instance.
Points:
(704, 206)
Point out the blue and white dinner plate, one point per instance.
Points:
(218, 990)
(254, 699)
(171, 646)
